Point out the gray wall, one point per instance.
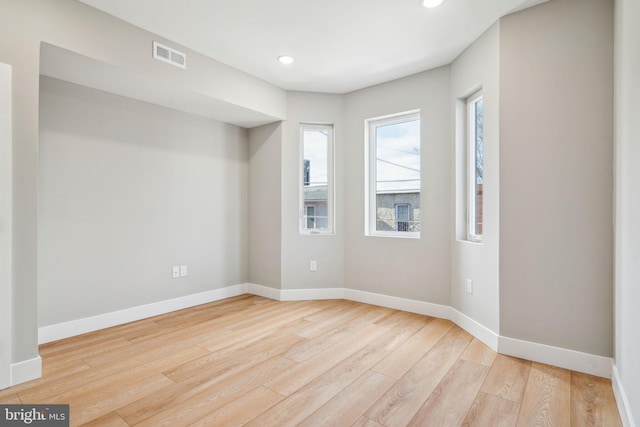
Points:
(555, 155)
(126, 191)
(299, 249)
(403, 267)
(24, 24)
(265, 198)
(477, 67)
(6, 290)
(556, 175)
(627, 268)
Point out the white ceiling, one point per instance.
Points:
(339, 45)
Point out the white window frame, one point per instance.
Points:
(306, 216)
(371, 171)
(330, 180)
(471, 167)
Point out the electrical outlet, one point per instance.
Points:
(183, 271)
(469, 286)
(313, 265)
(175, 272)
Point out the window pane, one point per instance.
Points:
(315, 172)
(397, 179)
(478, 166)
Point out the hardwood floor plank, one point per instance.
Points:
(398, 406)
(490, 410)
(479, 352)
(401, 331)
(395, 318)
(203, 380)
(224, 363)
(592, 401)
(61, 371)
(218, 395)
(111, 419)
(79, 387)
(95, 338)
(241, 410)
(547, 398)
(108, 400)
(507, 378)
(213, 363)
(230, 339)
(351, 403)
(10, 399)
(219, 319)
(327, 320)
(305, 372)
(329, 308)
(350, 330)
(366, 422)
(449, 403)
(397, 363)
(81, 353)
(284, 314)
(312, 396)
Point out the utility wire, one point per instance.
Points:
(396, 164)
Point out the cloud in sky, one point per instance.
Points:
(398, 157)
(316, 144)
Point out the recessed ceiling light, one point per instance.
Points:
(286, 59)
(431, 3)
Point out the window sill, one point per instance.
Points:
(396, 235)
(316, 233)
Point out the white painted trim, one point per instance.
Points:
(311, 294)
(564, 358)
(476, 329)
(262, 291)
(404, 304)
(6, 225)
(107, 320)
(621, 399)
(26, 370)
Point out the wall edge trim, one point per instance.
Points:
(561, 357)
(404, 304)
(557, 356)
(477, 329)
(106, 320)
(27, 370)
(621, 398)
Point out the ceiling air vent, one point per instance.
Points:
(166, 54)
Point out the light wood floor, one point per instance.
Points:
(250, 360)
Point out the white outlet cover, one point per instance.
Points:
(176, 272)
(469, 286)
(183, 271)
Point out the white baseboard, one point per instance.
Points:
(294, 294)
(476, 329)
(564, 358)
(404, 304)
(26, 370)
(311, 294)
(89, 324)
(262, 291)
(621, 399)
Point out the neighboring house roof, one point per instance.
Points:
(398, 192)
(316, 192)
